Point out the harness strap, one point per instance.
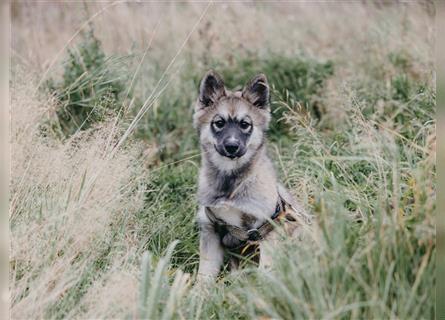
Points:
(251, 235)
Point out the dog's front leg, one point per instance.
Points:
(267, 247)
(211, 253)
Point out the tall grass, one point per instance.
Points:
(105, 232)
(91, 88)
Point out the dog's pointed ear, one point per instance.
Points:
(256, 91)
(211, 89)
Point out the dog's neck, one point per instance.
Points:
(222, 185)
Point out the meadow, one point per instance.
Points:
(105, 158)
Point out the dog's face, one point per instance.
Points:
(231, 125)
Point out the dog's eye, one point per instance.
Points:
(244, 125)
(219, 123)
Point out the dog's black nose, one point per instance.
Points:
(231, 147)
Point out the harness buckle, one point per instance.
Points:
(253, 235)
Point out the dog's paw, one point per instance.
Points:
(204, 284)
(204, 279)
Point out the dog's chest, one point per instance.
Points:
(234, 216)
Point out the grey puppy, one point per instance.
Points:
(241, 201)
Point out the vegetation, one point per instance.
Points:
(103, 207)
(90, 88)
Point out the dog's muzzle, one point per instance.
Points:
(231, 149)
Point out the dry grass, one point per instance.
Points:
(82, 212)
(66, 201)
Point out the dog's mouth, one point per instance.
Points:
(231, 156)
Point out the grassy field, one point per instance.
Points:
(105, 159)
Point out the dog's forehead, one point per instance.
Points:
(233, 106)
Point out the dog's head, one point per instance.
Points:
(231, 125)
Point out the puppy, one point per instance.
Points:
(241, 202)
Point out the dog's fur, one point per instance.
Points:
(240, 187)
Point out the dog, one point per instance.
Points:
(240, 200)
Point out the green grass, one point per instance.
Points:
(91, 89)
(371, 191)
(368, 178)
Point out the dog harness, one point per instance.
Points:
(233, 237)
